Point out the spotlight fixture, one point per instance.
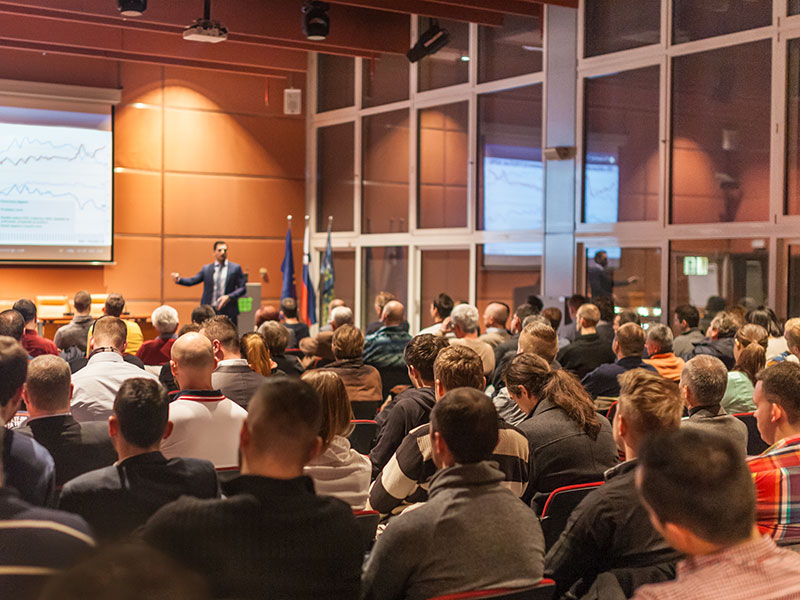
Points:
(316, 22)
(204, 29)
(131, 8)
(430, 41)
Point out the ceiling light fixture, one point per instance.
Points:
(316, 22)
(433, 39)
(131, 8)
(206, 30)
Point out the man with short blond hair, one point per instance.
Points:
(588, 350)
(406, 477)
(791, 332)
(628, 345)
(610, 530)
(114, 307)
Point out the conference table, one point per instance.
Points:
(49, 325)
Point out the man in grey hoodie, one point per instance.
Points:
(472, 533)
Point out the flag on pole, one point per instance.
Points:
(326, 277)
(287, 266)
(308, 300)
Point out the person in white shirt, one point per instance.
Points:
(206, 424)
(96, 384)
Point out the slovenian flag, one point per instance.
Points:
(308, 300)
(326, 278)
(287, 268)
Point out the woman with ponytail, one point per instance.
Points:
(570, 442)
(750, 353)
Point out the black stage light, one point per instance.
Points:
(131, 8)
(316, 22)
(430, 41)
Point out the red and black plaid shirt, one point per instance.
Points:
(776, 474)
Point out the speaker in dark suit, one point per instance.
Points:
(222, 295)
(76, 448)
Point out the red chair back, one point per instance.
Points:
(559, 507)
(363, 435)
(544, 590)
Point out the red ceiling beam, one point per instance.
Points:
(428, 8)
(509, 7)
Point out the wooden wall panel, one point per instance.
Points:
(137, 138)
(137, 202)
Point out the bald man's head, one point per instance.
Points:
(495, 315)
(193, 351)
(392, 313)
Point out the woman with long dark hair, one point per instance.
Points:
(570, 442)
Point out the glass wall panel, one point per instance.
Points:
(508, 272)
(336, 82)
(385, 270)
(384, 79)
(450, 65)
(793, 283)
(442, 166)
(516, 48)
(335, 176)
(698, 19)
(721, 135)
(736, 270)
(510, 172)
(621, 147)
(614, 25)
(794, 7)
(443, 271)
(793, 130)
(630, 276)
(344, 282)
(384, 187)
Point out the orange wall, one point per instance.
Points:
(198, 157)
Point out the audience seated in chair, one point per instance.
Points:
(363, 382)
(685, 319)
(29, 469)
(384, 348)
(34, 344)
(96, 384)
(156, 352)
(205, 423)
(610, 529)
(767, 318)
(272, 536)
(339, 471)
(750, 353)
(341, 315)
(34, 542)
(699, 494)
(627, 346)
(776, 472)
(472, 533)
(233, 375)
(495, 318)
(571, 443)
(660, 352)
(406, 477)
(719, 341)
(412, 407)
(276, 337)
(464, 324)
(254, 350)
(118, 499)
(114, 307)
(702, 386)
(201, 313)
(76, 332)
(290, 320)
(522, 312)
(270, 313)
(588, 350)
(75, 447)
(571, 330)
(335, 303)
(441, 307)
(536, 338)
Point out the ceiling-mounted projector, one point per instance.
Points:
(204, 30)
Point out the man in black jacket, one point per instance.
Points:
(588, 351)
(119, 498)
(272, 537)
(75, 447)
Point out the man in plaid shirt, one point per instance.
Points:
(776, 472)
(698, 491)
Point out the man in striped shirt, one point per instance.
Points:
(698, 492)
(776, 472)
(405, 478)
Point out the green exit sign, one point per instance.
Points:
(695, 265)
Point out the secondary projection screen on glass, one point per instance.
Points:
(56, 185)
